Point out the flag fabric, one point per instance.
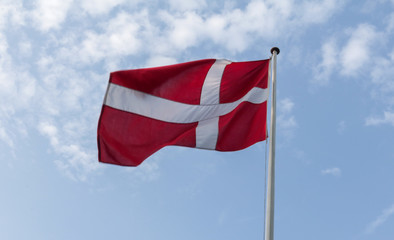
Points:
(209, 104)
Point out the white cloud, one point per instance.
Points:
(68, 113)
(160, 61)
(69, 105)
(357, 51)
(79, 162)
(50, 14)
(388, 118)
(381, 219)
(258, 20)
(121, 37)
(358, 58)
(184, 5)
(318, 11)
(96, 7)
(332, 171)
(382, 78)
(4, 136)
(11, 11)
(286, 106)
(351, 58)
(329, 61)
(50, 131)
(148, 171)
(285, 119)
(17, 86)
(169, 32)
(237, 29)
(17, 90)
(76, 163)
(25, 48)
(185, 30)
(390, 23)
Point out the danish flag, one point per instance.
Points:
(210, 104)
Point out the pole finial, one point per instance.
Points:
(276, 49)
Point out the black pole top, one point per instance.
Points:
(275, 49)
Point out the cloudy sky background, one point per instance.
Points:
(335, 142)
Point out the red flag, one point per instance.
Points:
(210, 104)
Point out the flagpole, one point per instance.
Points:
(269, 222)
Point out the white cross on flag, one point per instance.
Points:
(209, 104)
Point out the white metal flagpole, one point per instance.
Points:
(269, 222)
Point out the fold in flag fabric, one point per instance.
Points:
(209, 104)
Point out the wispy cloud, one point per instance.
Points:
(357, 50)
(350, 57)
(148, 171)
(98, 7)
(285, 119)
(76, 163)
(50, 14)
(121, 37)
(182, 5)
(382, 78)
(332, 171)
(329, 52)
(160, 61)
(318, 11)
(243, 26)
(387, 118)
(17, 86)
(350, 54)
(185, 28)
(390, 23)
(380, 220)
(4, 136)
(17, 91)
(12, 12)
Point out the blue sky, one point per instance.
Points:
(335, 132)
